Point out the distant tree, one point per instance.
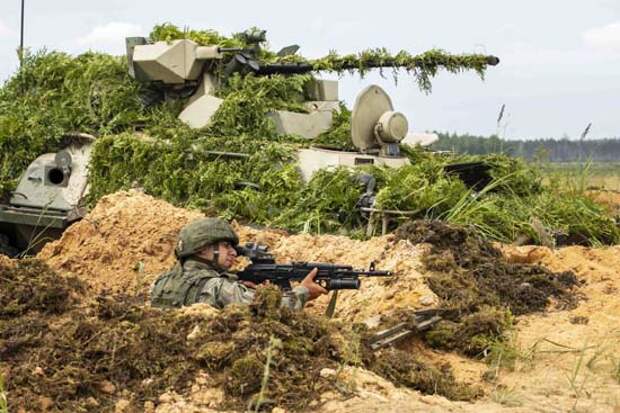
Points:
(554, 150)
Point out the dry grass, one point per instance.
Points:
(3, 399)
(506, 396)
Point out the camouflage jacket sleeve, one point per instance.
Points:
(222, 291)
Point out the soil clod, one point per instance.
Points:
(483, 289)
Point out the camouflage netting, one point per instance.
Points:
(71, 355)
(152, 149)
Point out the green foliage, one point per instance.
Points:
(423, 67)
(338, 137)
(513, 175)
(422, 188)
(183, 173)
(248, 99)
(578, 217)
(54, 94)
(326, 204)
(168, 32)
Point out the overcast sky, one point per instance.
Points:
(559, 70)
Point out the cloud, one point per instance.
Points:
(112, 33)
(5, 31)
(605, 38)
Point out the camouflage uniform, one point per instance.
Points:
(193, 280)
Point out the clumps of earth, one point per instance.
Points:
(479, 289)
(70, 344)
(77, 355)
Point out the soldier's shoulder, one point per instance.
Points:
(203, 272)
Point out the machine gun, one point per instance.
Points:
(332, 277)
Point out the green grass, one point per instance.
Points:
(581, 176)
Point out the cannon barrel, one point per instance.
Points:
(304, 67)
(284, 68)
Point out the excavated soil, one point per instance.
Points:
(64, 354)
(479, 290)
(6, 261)
(567, 358)
(128, 240)
(121, 245)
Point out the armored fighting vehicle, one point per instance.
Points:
(182, 68)
(48, 198)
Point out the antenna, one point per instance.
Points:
(21, 38)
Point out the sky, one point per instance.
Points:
(559, 70)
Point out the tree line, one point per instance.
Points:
(549, 149)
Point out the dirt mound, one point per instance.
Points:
(478, 285)
(122, 244)
(470, 272)
(539, 377)
(6, 262)
(31, 285)
(97, 354)
(128, 240)
(569, 360)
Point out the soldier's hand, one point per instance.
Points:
(249, 284)
(314, 289)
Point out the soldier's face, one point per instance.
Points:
(227, 255)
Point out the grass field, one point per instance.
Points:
(585, 175)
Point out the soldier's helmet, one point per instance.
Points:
(202, 232)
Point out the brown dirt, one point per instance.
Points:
(6, 261)
(122, 244)
(76, 358)
(479, 287)
(579, 373)
(610, 199)
(572, 357)
(127, 240)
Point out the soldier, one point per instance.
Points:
(205, 250)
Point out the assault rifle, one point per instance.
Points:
(332, 277)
